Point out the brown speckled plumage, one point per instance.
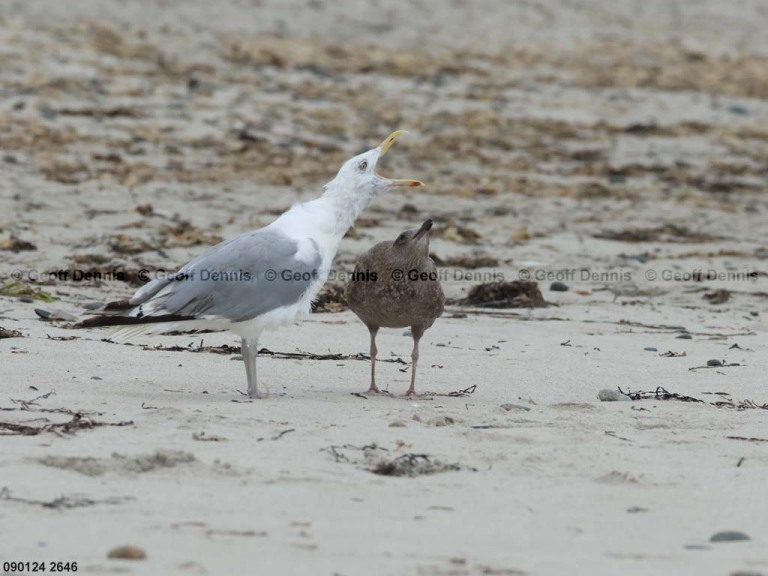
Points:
(395, 285)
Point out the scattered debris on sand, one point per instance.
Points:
(330, 299)
(120, 464)
(381, 461)
(514, 294)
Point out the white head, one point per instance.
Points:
(357, 184)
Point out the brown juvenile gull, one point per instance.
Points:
(260, 279)
(394, 285)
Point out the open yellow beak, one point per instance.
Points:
(384, 147)
(389, 140)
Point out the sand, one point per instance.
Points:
(617, 147)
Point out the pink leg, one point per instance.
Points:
(417, 334)
(373, 389)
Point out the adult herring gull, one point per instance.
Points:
(260, 279)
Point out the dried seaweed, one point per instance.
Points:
(78, 422)
(8, 333)
(456, 393)
(184, 234)
(662, 393)
(665, 233)
(278, 435)
(330, 299)
(515, 294)
(457, 233)
(234, 350)
(723, 364)
(412, 465)
(376, 460)
(19, 290)
(747, 439)
(719, 296)
(16, 245)
(740, 405)
(62, 502)
(471, 262)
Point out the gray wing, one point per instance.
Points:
(239, 279)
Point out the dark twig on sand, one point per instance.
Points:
(662, 393)
(456, 393)
(748, 439)
(234, 350)
(62, 502)
(709, 367)
(25, 404)
(282, 433)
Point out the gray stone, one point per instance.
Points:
(714, 362)
(729, 536)
(509, 407)
(608, 395)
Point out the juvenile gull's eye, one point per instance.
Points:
(363, 165)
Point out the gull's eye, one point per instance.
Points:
(363, 165)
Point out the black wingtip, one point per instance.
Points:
(106, 320)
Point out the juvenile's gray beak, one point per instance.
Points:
(424, 230)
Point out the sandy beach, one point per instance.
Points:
(619, 149)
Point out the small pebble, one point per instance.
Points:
(441, 421)
(714, 362)
(636, 509)
(407, 332)
(93, 305)
(510, 407)
(737, 109)
(641, 258)
(48, 113)
(684, 337)
(26, 300)
(54, 315)
(558, 287)
(651, 349)
(99, 378)
(697, 547)
(397, 424)
(608, 395)
(127, 553)
(729, 536)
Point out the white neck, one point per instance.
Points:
(328, 218)
(348, 204)
(343, 206)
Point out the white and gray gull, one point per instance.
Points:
(260, 279)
